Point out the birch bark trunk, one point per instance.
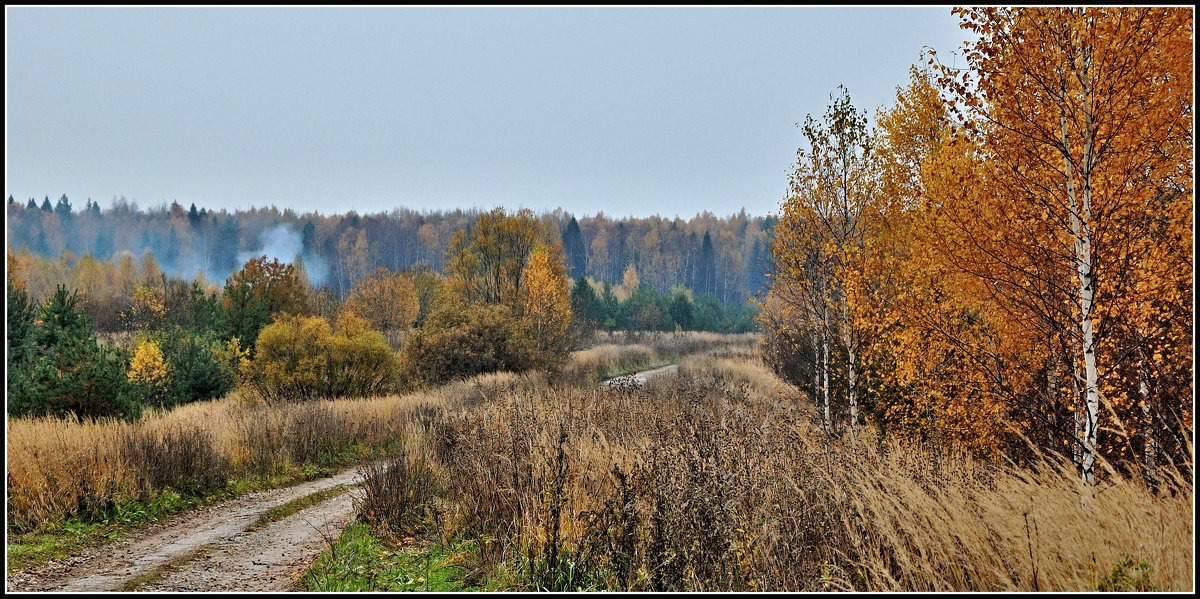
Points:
(825, 370)
(1150, 444)
(817, 382)
(1081, 217)
(851, 374)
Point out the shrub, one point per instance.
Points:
(360, 361)
(303, 357)
(397, 494)
(460, 342)
(289, 363)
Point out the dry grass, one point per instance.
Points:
(957, 524)
(58, 468)
(715, 479)
(676, 486)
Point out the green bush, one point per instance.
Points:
(463, 341)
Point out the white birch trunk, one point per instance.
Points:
(817, 382)
(851, 374)
(1077, 416)
(1150, 446)
(825, 372)
(1081, 216)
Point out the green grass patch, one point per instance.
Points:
(65, 538)
(280, 512)
(358, 561)
(1127, 577)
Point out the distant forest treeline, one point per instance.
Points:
(723, 256)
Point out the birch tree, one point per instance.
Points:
(819, 240)
(1079, 122)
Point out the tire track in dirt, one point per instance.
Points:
(208, 549)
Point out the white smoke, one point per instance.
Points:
(283, 243)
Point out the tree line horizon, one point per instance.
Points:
(706, 253)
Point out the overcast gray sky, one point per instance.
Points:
(629, 111)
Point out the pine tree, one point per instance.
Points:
(575, 249)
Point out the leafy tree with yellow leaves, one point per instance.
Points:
(1077, 139)
(148, 372)
(546, 305)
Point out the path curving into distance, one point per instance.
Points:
(218, 548)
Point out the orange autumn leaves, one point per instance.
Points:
(1011, 253)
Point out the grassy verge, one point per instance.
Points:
(359, 561)
(69, 536)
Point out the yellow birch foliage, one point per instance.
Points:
(931, 332)
(147, 307)
(546, 304)
(148, 370)
(1065, 202)
(237, 358)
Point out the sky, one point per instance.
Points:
(627, 111)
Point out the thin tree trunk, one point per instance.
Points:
(851, 374)
(825, 371)
(1052, 364)
(817, 382)
(1077, 416)
(1150, 444)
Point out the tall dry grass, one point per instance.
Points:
(717, 480)
(714, 479)
(58, 468)
(958, 524)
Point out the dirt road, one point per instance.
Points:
(209, 549)
(638, 379)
